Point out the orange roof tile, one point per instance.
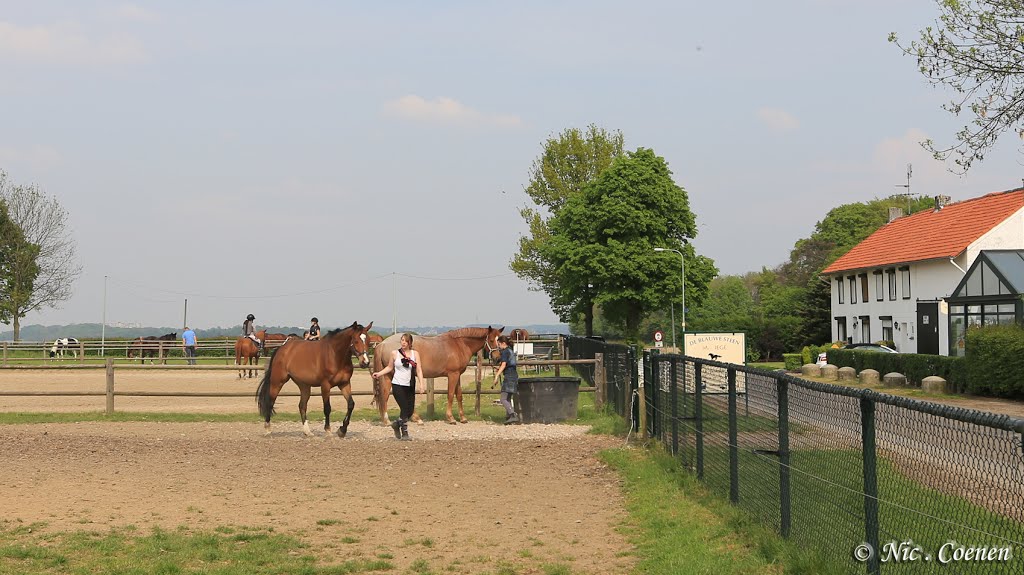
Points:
(931, 234)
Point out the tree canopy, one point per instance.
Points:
(603, 240)
(977, 48)
(567, 164)
(43, 267)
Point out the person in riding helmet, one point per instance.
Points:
(249, 331)
(314, 330)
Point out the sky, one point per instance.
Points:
(365, 161)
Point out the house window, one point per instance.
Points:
(865, 329)
(887, 328)
(839, 288)
(853, 288)
(905, 278)
(840, 328)
(879, 288)
(864, 288)
(891, 274)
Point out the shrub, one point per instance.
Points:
(805, 355)
(995, 360)
(914, 366)
(792, 361)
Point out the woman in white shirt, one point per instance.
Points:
(408, 379)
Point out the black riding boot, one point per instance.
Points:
(396, 425)
(405, 430)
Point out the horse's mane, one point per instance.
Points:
(337, 331)
(466, 332)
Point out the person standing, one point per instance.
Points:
(314, 330)
(509, 377)
(249, 331)
(408, 379)
(188, 341)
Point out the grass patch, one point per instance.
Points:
(226, 552)
(679, 527)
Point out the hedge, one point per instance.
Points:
(995, 360)
(913, 365)
(792, 361)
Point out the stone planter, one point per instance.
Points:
(811, 370)
(547, 399)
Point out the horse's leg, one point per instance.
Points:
(325, 393)
(346, 390)
(458, 396)
(303, 400)
(382, 401)
(275, 389)
(453, 380)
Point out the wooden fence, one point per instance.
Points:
(111, 392)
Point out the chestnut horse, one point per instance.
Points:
(326, 363)
(519, 334)
(247, 349)
(373, 339)
(447, 354)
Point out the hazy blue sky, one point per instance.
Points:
(284, 159)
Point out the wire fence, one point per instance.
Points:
(870, 482)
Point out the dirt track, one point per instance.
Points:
(466, 498)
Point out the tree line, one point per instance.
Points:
(38, 265)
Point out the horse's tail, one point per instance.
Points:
(263, 399)
(378, 363)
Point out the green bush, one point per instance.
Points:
(805, 355)
(914, 366)
(995, 360)
(792, 361)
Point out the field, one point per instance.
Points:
(472, 498)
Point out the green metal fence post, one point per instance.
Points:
(674, 400)
(784, 489)
(734, 456)
(867, 418)
(698, 420)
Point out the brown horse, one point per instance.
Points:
(372, 339)
(447, 354)
(275, 340)
(325, 363)
(247, 349)
(149, 346)
(518, 334)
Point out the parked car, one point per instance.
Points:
(823, 359)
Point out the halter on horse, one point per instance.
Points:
(445, 355)
(325, 363)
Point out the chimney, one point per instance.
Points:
(895, 214)
(940, 202)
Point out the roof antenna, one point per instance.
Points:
(910, 172)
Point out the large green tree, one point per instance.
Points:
(44, 266)
(18, 269)
(567, 164)
(603, 241)
(976, 48)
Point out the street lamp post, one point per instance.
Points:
(682, 291)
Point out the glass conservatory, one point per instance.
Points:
(990, 293)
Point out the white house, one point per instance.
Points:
(893, 285)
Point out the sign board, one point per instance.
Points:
(659, 343)
(524, 348)
(659, 337)
(726, 347)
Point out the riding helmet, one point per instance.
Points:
(250, 317)
(314, 320)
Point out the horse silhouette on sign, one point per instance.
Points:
(445, 355)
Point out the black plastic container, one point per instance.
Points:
(547, 399)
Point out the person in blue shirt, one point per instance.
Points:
(188, 341)
(509, 377)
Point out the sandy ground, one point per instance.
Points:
(466, 498)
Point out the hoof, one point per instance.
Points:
(463, 420)
(341, 434)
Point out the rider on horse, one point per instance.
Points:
(249, 331)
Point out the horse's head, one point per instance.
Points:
(53, 350)
(491, 343)
(361, 344)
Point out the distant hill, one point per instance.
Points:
(95, 330)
